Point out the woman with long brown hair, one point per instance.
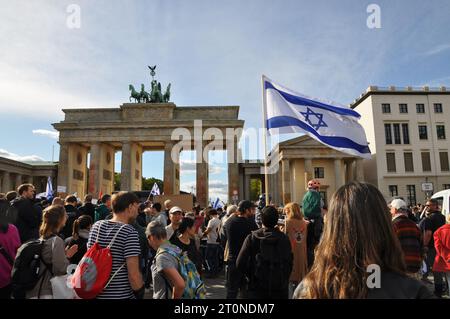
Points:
(358, 233)
(54, 258)
(296, 228)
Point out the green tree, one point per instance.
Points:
(117, 181)
(147, 183)
(255, 189)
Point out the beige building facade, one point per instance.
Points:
(408, 134)
(14, 173)
(303, 158)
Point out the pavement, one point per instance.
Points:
(215, 287)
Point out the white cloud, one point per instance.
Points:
(437, 49)
(217, 188)
(20, 158)
(189, 167)
(47, 133)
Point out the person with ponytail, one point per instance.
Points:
(54, 257)
(185, 240)
(80, 235)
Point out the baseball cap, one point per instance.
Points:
(246, 204)
(175, 209)
(399, 204)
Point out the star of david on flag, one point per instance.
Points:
(331, 124)
(155, 190)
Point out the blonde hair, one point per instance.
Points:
(293, 211)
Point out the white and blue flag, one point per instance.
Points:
(155, 190)
(331, 124)
(49, 189)
(217, 204)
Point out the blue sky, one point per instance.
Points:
(212, 52)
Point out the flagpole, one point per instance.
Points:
(266, 180)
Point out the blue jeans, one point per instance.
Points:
(212, 257)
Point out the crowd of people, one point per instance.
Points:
(302, 250)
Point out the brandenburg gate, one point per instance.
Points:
(134, 128)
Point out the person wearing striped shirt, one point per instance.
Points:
(409, 236)
(127, 282)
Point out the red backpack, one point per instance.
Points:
(94, 269)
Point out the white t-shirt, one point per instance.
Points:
(214, 225)
(169, 231)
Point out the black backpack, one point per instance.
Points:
(26, 272)
(271, 273)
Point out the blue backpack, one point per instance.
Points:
(194, 286)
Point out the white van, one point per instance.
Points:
(443, 197)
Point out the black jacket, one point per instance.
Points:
(247, 261)
(28, 218)
(88, 209)
(82, 248)
(72, 215)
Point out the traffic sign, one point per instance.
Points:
(427, 187)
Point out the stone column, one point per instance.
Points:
(169, 170)
(6, 184)
(94, 182)
(233, 173)
(63, 166)
(286, 181)
(246, 194)
(202, 181)
(18, 181)
(337, 173)
(308, 169)
(350, 176)
(359, 170)
(125, 175)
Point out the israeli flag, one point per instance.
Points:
(49, 189)
(155, 190)
(217, 204)
(334, 125)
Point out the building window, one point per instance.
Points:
(423, 134)
(386, 108)
(420, 108)
(397, 139)
(405, 132)
(426, 162)
(403, 108)
(443, 156)
(390, 159)
(393, 190)
(446, 186)
(440, 132)
(319, 172)
(437, 108)
(388, 133)
(409, 165)
(411, 192)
